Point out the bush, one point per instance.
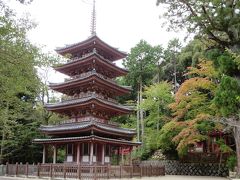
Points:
(231, 162)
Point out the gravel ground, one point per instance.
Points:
(171, 177)
(167, 177)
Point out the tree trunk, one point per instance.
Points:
(236, 134)
(5, 118)
(175, 74)
(220, 162)
(138, 126)
(141, 112)
(158, 81)
(2, 145)
(158, 119)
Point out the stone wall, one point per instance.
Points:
(193, 169)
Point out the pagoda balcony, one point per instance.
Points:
(79, 58)
(93, 102)
(88, 119)
(82, 82)
(89, 94)
(90, 124)
(89, 54)
(87, 74)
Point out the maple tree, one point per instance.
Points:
(192, 108)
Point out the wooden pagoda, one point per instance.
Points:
(88, 135)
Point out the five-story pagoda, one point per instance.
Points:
(89, 136)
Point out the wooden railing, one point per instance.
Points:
(82, 171)
(87, 95)
(88, 119)
(89, 73)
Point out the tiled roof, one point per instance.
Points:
(86, 56)
(86, 124)
(86, 138)
(94, 73)
(92, 40)
(82, 100)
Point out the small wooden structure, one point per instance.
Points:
(209, 150)
(89, 136)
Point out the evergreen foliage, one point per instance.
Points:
(141, 62)
(20, 86)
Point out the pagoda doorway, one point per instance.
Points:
(87, 153)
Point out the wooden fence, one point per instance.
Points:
(82, 171)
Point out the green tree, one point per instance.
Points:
(171, 62)
(227, 94)
(227, 101)
(157, 97)
(141, 64)
(211, 19)
(191, 53)
(46, 61)
(19, 88)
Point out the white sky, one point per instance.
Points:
(120, 23)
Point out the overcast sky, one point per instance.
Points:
(120, 23)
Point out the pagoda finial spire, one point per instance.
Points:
(93, 23)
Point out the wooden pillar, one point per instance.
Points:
(103, 154)
(64, 171)
(118, 156)
(95, 172)
(79, 171)
(51, 171)
(141, 171)
(66, 152)
(54, 153)
(26, 169)
(122, 155)
(16, 172)
(91, 152)
(44, 154)
(78, 153)
(38, 170)
(130, 158)
(7, 169)
(120, 171)
(108, 171)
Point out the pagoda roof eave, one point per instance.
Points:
(61, 68)
(93, 75)
(91, 40)
(85, 126)
(91, 99)
(86, 139)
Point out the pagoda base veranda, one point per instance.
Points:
(87, 153)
